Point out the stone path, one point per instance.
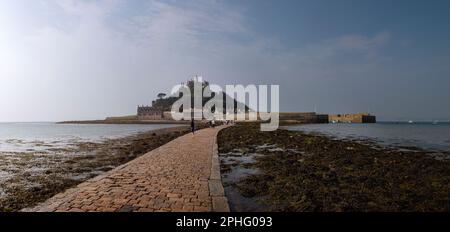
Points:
(174, 177)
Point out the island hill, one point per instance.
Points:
(159, 112)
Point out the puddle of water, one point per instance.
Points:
(238, 170)
(85, 175)
(238, 203)
(265, 146)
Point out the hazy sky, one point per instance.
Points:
(67, 59)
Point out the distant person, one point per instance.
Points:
(192, 126)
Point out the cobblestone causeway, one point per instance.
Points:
(173, 177)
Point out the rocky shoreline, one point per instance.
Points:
(115, 121)
(294, 171)
(32, 177)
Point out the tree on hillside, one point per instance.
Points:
(161, 95)
(161, 107)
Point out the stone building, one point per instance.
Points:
(149, 113)
(352, 118)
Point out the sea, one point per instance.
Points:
(41, 136)
(433, 136)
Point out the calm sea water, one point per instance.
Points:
(23, 137)
(427, 136)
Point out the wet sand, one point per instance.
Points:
(27, 178)
(294, 171)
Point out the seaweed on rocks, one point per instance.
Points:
(310, 172)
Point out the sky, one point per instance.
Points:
(87, 59)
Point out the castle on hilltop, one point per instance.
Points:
(160, 109)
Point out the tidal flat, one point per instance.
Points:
(288, 170)
(30, 177)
